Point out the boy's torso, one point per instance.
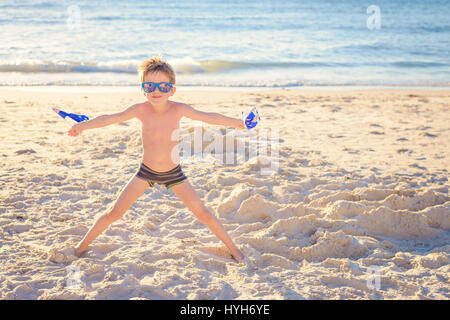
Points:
(160, 136)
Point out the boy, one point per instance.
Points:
(159, 117)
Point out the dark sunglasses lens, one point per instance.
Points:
(165, 87)
(149, 87)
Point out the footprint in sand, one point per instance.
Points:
(426, 134)
(61, 254)
(336, 109)
(335, 136)
(415, 165)
(25, 151)
(351, 151)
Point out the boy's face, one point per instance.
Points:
(157, 97)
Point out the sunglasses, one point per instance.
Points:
(149, 87)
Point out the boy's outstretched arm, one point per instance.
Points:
(104, 120)
(212, 117)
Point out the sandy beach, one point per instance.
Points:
(357, 207)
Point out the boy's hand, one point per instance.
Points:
(239, 124)
(75, 130)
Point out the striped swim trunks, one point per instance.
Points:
(168, 178)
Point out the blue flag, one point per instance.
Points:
(73, 116)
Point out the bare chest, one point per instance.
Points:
(162, 128)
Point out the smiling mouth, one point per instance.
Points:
(156, 96)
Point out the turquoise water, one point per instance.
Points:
(226, 43)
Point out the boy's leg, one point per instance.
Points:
(133, 190)
(187, 194)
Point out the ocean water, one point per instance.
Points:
(227, 43)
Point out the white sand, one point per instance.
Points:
(362, 186)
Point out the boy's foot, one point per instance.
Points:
(79, 251)
(238, 256)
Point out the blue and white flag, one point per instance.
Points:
(252, 119)
(73, 116)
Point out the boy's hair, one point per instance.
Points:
(156, 64)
